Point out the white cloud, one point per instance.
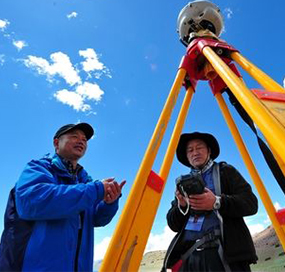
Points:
(228, 13)
(100, 249)
(90, 91)
(79, 92)
(277, 206)
(40, 64)
(19, 44)
(72, 99)
(64, 68)
(155, 242)
(77, 99)
(284, 82)
(256, 228)
(72, 15)
(92, 62)
(60, 66)
(257, 223)
(160, 241)
(3, 24)
(2, 59)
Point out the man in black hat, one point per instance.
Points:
(54, 207)
(208, 211)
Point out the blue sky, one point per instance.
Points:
(111, 64)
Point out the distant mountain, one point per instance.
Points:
(271, 256)
(152, 261)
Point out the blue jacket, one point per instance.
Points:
(50, 217)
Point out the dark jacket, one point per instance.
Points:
(50, 217)
(237, 201)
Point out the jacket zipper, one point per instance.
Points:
(79, 240)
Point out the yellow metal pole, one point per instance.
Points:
(168, 159)
(276, 156)
(252, 170)
(262, 78)
(121, 233)
(142, 224)
(269, 125)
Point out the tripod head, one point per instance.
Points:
(196, 16)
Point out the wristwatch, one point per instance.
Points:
(217, 203)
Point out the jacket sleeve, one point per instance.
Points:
(104, 213)
(237, 199)
(39, 197)
(175, 219)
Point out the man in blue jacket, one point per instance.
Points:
(53, 208)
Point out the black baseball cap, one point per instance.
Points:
(86, 128)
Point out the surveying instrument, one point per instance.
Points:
(211, 59)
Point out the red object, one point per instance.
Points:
(176, 267)
(202, 42)
(155, 182)
(280, 214)
(267, 95)
(194, 60)
(187, 64)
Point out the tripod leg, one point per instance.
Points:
(142, 223)
(166, 164)
(262, 78)
(117, 247)
(252, 170)
(267, 123)
(275, 154)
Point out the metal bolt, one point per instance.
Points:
(219, 51)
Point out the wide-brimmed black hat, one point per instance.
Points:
(209, 139)
(86, 128)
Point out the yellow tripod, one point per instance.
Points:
(207, 58)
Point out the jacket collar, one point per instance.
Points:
(64, 165)
(206, 167)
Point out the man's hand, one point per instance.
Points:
(112, 190)
(181, 198)
(203, 201)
